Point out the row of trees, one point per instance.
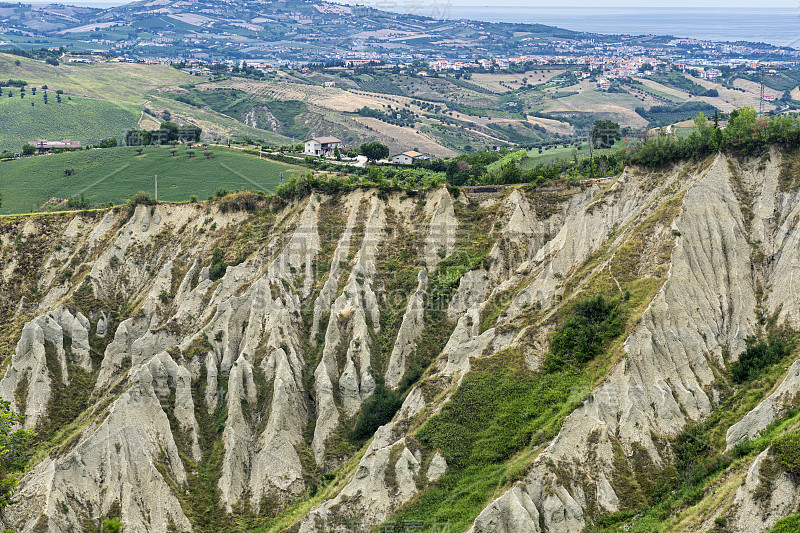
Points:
(167, 133)
(745, 133)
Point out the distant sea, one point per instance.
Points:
(777, 26)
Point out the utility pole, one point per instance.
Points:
(156, 187)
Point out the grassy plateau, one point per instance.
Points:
(114, 174)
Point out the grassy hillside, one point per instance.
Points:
(121, 82)
(81, 119)
(127, 83)
(117, 173)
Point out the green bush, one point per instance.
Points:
(758, 355)
(376, 411)
(786, 450)
(141, 198)
(790, 524)
(581, 338)
(218, 265)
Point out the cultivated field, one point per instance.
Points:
(617, 106)
(81, 119)
(114, 174)
(514, 80)
(406, 137)
(130, 83)
(729, 99)
(120, 82)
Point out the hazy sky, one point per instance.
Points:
(732, 4)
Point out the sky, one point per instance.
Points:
(733, 4)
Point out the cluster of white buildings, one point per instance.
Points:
(326, 146)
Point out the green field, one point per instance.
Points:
(143, 86)
(560, 153)
(80, 119)
(114, 174)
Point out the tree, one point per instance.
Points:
(28, 149)
(171, 128)
(13, 450)
(605, 133)
(374, 150)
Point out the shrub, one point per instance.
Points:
(790, 524)
(239, 201)
(786, 449)
(376, 411)
(218, 265)
(581, 338)
(758, 355)
(141, 198)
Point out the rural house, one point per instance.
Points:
(44, 146)
(321, 146)
(408, 158)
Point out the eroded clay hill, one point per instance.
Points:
(335, 363)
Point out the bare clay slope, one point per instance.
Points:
(182, 395)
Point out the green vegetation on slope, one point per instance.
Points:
(701, 460)
(663, 115)
(80, 119)
(253, 110)
(786, 449)
(790, 524)
(500, 408)
(758, 355)
(594, 322)
(114, 174)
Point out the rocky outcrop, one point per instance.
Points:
(128, 461)
(242, 381)
(45, 347)
(513, 511)
(766, 495)
(785, 397)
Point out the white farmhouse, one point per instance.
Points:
(408, 158)
(321, 146)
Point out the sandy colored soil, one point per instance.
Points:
(728, 99)
(492, 81)
(664, 89)
(551, 125)
(620, 105)
(406, 137)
